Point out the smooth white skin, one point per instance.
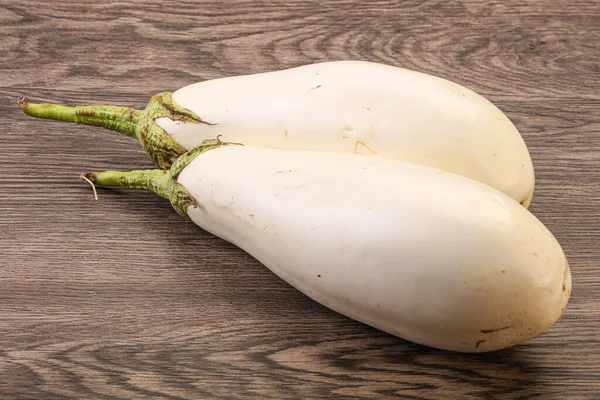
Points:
(364, 108)
(427, 255)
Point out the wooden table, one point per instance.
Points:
(121, 298)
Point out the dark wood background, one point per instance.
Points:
(121, 298)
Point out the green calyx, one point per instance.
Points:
(160, 146)
(162, 182)
(139, 124)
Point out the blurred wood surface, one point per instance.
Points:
(121, 298)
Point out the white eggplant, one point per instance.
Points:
(343, 107)
(420, 253)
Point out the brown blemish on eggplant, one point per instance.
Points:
(361, 143)
(478, 343)
(197, 205)
(319, 276)
(495, 330)
(316, 87)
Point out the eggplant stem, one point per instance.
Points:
(138, 124)
(160, 181)
(120, 119)
(155, 180)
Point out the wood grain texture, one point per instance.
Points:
(121, 298)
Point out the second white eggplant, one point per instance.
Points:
(427, 255)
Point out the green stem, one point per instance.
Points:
(120, 119)
(160, 145)
(155, 180)
(162, 182)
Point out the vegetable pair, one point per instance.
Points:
(399, 235)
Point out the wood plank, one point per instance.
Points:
(121, 298)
